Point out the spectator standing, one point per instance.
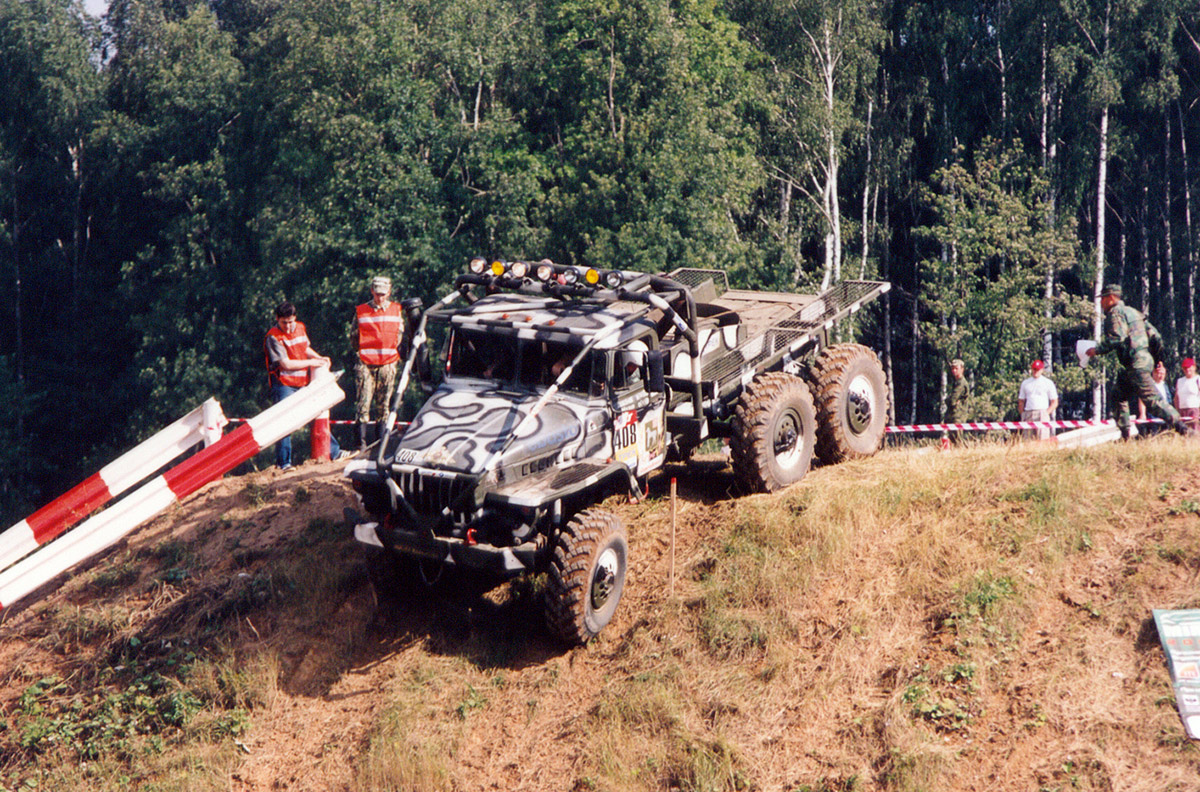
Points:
(379, 323)
(1037, 400)
(290, 361)
(1130, 336)
(1159, 375)
(1187, 393)
(957, 410)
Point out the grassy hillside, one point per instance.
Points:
(977, 619)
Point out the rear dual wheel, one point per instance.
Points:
(852, 402)
(773, 432)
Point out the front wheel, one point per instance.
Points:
(773, 427)
(586, 576)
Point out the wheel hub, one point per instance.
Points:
(604, 579)
(859, 404)
(787, 441)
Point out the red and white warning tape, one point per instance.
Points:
(1008, 425)
(987, 426)
(203, 423)
(110, 525)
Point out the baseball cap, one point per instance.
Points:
(1037, 365)
(1188, 362)
(1113, 289)
(381, 285)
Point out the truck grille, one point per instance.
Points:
(428, 493)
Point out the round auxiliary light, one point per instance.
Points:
(544, 271)
(570, 276)
(519, 269)
(477, 265)
(497, 268)
(613, 279)
(592, 276)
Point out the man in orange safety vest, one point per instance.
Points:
(290, 360)
(379, 323)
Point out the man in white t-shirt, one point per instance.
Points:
(1187, 393)
(1037, 401)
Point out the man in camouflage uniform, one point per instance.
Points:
(957, 398)
(1127, 333)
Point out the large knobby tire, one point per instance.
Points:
(773, 432)
(586, 576)
(852, 402)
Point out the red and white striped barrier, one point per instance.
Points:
(110, 525)
(203, 423)
(1008, 425)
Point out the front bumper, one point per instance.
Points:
(507, 561)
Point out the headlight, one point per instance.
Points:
(613, 279)
(570, 275)
(477, 265)
(545, 270)
(518, 269)
(497, 268)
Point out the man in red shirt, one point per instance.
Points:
(289, 362)
(379, 323)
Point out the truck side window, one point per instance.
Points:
(628, 367)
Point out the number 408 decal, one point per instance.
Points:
(625, 430)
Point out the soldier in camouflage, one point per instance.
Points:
(957, 398)
(1127, 333)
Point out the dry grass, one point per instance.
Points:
(969, 620)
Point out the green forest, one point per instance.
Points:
(171, 171)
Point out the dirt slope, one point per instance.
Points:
(977, 619)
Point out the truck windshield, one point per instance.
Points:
(516, 361)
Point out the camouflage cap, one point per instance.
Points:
(957, 362)
(1112, 289)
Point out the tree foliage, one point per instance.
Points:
(168, 176)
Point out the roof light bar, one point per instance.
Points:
(546, 271)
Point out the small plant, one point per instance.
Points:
(983, 597)
(1186, 506)
(257, 494)
(172, 552)
(945, 713)
(115, 577)
(472, 702)
(302, 495)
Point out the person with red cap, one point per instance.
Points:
(1037, 401)
(1187, 393)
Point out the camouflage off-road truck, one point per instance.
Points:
(556, 386)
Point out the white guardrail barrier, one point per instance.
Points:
(110, 525)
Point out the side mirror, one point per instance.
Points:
(655, 380)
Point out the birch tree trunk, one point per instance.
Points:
(1101, 192)
(1047, 152)
(828, 59)
(1188, 241)
(866, 198)
(1144, 248)
(1168, 284)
